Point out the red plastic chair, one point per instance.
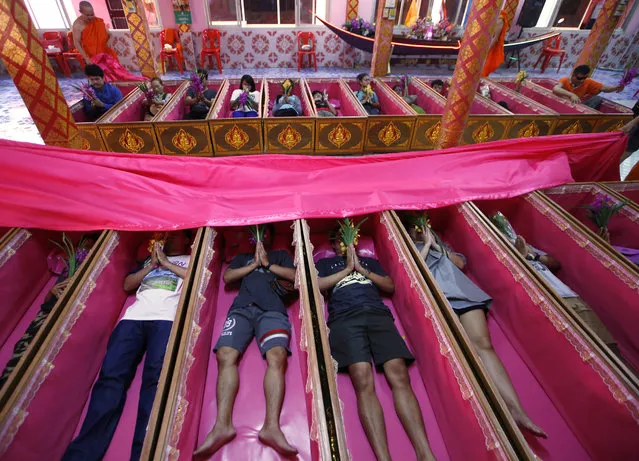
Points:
(72, 53)
(172, 54)
(551, 49)
(54, 39)
(211, 42)
(306, 47)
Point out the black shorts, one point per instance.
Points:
(362, 334)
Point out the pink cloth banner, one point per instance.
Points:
(65, 189)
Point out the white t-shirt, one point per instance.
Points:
(245, 108)
(158, 296)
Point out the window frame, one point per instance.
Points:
(587, 12)
(241, 15)
(64, 14)
(160, 25)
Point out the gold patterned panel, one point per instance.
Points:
(289, 137)
(432, 134)
(574, 128)
(131, 141)
(339, 136)
(483, 133)
(529, 131)
(389, 134)
(236, 137)
(183, 141)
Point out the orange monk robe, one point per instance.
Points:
(171, 37)
(94, 39)
(496, 54)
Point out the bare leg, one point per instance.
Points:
(228, 382)
(407, 407)
(274, 385)
(369, 409)
(475, 324)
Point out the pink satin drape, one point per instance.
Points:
(53, 188)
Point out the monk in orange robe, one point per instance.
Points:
(90, 34)
(496, 53)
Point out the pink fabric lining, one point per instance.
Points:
(609, 296)
(65, 390)
(135, 109)
(6, 350)
(578, 402)
(627, 189)
(516, 105)
(388, 100)
(547, 98)
(336, 92)
(147, 192)
(623, 230)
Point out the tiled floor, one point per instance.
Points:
(16, 123)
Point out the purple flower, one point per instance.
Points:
(243, 98)
(628, 76)
(196, 84)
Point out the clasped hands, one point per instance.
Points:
(261, 256)
(158, 257)
(352, 261)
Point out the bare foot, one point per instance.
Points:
(216, 439)
(520, 245)
(524, 422)
(274, 438)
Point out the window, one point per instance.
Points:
(152, 13)
(49, 14)
(116, 12)
(264, 12)
(455, 10)
(576, 13)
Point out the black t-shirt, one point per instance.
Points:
(354, 291)
(256, 286)
(200, 106)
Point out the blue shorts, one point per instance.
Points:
(269, 328)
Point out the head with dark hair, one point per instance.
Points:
(178, 242)
(88, 240)
(157, 85)
(203, 73)
(95, 75)
(247, 82)
(363, 79)
(437, 85)
(335, 237)
(318, 96)
(580, 74)
(398, 89)
(503, 104)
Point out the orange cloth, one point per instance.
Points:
(171, 37)
(585, 91)
(94, 39)
(496, 53)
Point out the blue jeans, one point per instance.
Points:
(241, 114)
(130, 340)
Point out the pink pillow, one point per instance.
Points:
(336, 103)
(365, 248)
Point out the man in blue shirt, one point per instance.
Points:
(106, 95)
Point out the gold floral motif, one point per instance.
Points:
(131, 141)
(184, 141)
(85, 144)
(617, 126)
(339, 136)
(574, 128)
(483, 133)
(236, 137)
(289, 137)
(529, 131)
(389, 134)
(432, 134)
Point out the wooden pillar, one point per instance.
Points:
(382, 49)
(28, 64)
(186, 39)
(141, 36)
(601, 32)
(470, 62)
(352, 9)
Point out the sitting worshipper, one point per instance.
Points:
(362, 329)
(410, 99)
(496, 51)
(366, 95)
(245, 100)
(143, 331)
(200, 103)
(106, 95)
(438, 86)
(579, 88)
(632, 130)
(503, 104)
(91, 37)
(471, 304)
(287, 104)
(62, 270)
(323, 105)
(258, 311)
(159, 99)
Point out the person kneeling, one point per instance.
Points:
(144, 329)
(259, 312)
(361, 328)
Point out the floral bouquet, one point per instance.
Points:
(196, 84)
(629, 74)
(368, 91)
(501, 222)
(148, 92)
(601, 210)
(419, 220)
(158, 237)
(519, 79)
(405, 83)
(258, 234)
(72, 257)
(287, 87)
(421, 28)
(349, 233)
(87, 91)
(361, 27)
